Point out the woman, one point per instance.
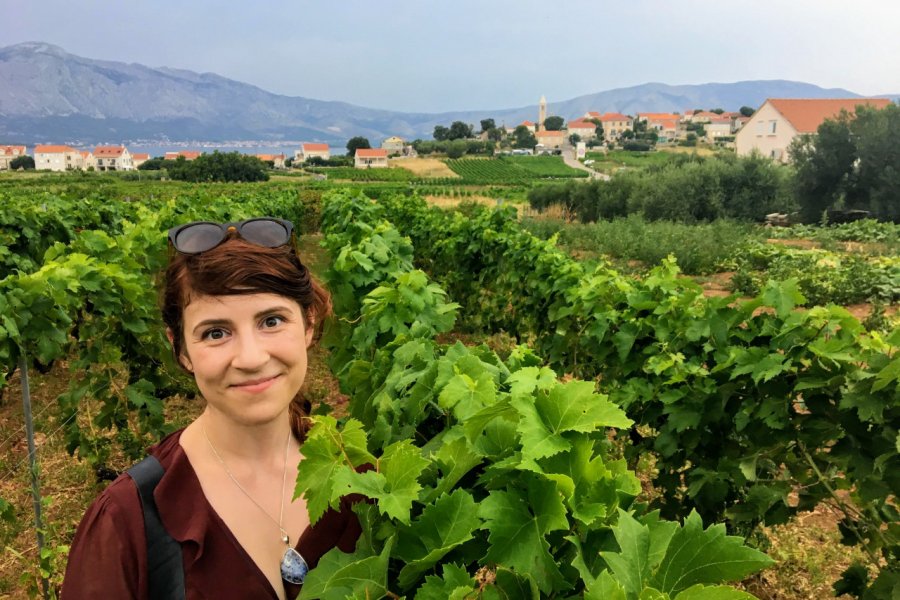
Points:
(241, 310)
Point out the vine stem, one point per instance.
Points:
(32, 466)
(844, 508)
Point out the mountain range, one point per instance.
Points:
(50, 95)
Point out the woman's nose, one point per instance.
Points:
(251, 353)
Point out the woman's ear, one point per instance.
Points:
(182, 358)
(310, 329)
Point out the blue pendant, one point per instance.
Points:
(293, 567)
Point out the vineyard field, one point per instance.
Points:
(512, 169)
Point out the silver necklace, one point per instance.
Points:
(293, 565)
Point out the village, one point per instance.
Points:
(768, 130)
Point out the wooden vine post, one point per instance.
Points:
(32, 465)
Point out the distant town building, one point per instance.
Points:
(54, 157)
(717, 127)
(550, 139)
(9, 154)
(113, 158)
(370, 158)
(186, 154)
(393, 145)
(87, 160)
(584, 129)
(138, 159)
(778, 121)
(277, 160)
(312, 150)
(542, 113)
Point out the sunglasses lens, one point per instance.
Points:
(198, 238)
(265, 232)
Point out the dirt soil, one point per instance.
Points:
(424, 167)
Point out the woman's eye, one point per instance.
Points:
(214, 334)
(273, 321)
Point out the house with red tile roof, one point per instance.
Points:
(717, 127)
(584, 129)
(139, 158)
(113, 158)
(9, 154)
(186, 154)
(776, 123)
(370, 158)
(56, 157)
(311, 150)
(87, 160)
(277, 160)
(614, 124)
(550, 139)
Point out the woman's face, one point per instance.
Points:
(247, 353)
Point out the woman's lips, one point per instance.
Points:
(256, 385)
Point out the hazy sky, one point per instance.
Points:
(423, 55)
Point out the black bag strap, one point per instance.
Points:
(165, 569)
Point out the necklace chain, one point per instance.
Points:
(284, 536)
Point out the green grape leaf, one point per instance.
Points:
(339, 575)
(394, 484)
(571, 406)
(518, 522)
(716, 592)
(440, 528)
(327, 452)
(605, 588)
(456, 584)
(698, 556)
(465, 396)
(631, 564)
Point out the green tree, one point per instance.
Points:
(824, 164)
(495, 134)
(524, 138)
(460, 131)
(219, 166)
(598, 129)
(718, 111)
(574, 138)
(355, 143)
(554, 123)
(456, 148)
(441, 133)
(155, 164)
(22, 162)
(487, 125)
(747, 111)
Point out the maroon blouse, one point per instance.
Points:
(108, 557)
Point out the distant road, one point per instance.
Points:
(568, 155)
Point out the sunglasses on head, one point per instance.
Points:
(201, 236)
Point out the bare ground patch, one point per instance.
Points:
(424, 167)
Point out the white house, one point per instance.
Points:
(113, 158)
(778, 121)
(370, 158)
(54, 157)
(717, 127)
(311, 150)
(9, 154)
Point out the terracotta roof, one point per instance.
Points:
(659, 116)
(109, 151)
(593, 114)
(549, 134)
(272, 157)
(9, 150)
(187, 154)
(721, 120)
(706, 113)
(86, 153)
(666, 123)
(527, 123)
(614, 117)
(371, 153)
(139, 156)
(53, 149)
(314, 147)
(807, 115)
(581, 125)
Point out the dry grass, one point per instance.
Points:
(424, 167)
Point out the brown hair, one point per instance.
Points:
(236, 267)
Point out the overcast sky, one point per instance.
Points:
(423, 55)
